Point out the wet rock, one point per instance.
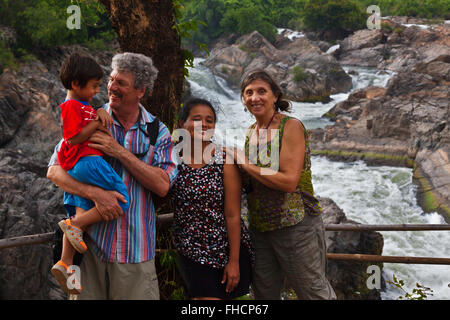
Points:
(398, 48)
(306, 73)
(29, 204)
(348, 278)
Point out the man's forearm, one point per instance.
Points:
(152, 178)
(63, 180)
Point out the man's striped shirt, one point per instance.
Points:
(131, 238)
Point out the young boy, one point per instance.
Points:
(81, 76)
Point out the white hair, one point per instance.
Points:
(139, 65)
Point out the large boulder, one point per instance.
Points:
(304, 72)
(348, 278)
(398, 46)
(29, 204)
(364, 48)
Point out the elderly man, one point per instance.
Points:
(119, 263)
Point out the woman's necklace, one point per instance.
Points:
(264, 133)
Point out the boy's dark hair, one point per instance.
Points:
(192, 102)
(81, 68)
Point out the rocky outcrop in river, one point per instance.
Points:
(304, 72)
(398, 46)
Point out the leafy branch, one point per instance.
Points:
(420, 292)
(185, 29)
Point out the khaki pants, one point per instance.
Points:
(117, 281)
(297, 253)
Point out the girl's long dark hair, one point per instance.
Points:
(192, 102)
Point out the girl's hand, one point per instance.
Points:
(231, 276)
(104, 117)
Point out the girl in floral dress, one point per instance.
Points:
(213, 244)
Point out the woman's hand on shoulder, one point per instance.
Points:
(236, 156)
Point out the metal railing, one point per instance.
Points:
(167, 218)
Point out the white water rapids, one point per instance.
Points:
(369, 195)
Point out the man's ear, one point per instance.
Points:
(141, 93)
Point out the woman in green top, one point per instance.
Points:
(285, 223)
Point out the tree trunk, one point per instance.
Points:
(146, 26)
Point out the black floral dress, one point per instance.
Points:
(200, 232)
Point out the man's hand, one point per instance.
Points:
(105, 201)
(107, 204)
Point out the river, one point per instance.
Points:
(370, 195)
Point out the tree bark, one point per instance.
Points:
(147, 27)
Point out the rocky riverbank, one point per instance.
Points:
(30, 204)
(406, 123)
(304, 72)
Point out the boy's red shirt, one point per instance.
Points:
(75, 115)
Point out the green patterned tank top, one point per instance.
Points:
(271, 209)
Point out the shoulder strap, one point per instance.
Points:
(282, 124)
(153, 130)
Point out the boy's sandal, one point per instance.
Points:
(60, 272)
(74, 235)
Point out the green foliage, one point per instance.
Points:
(413, 8)
(170, 283)
(386, 26)
(185, 28)
(247, 19)
(298, 74)
(224, 17)
(7, 59)
(418, 293)
(43, 23)
(345, 15)
(208, 11)
(425, 9)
